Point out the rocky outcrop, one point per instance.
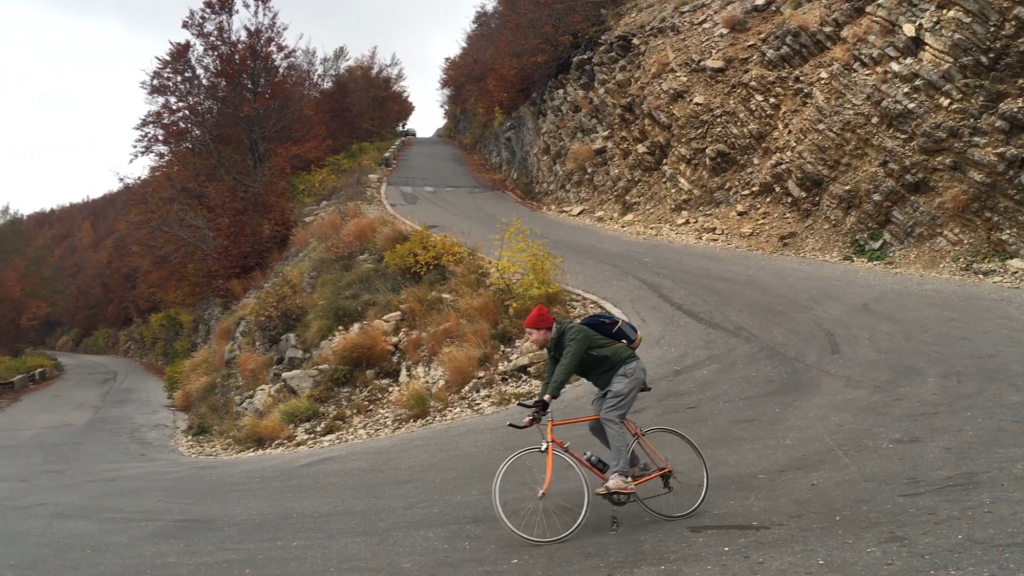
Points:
(905, 117)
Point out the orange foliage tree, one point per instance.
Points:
(235, 111)
(510, 52)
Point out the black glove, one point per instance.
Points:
(540, 404)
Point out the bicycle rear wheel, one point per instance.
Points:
(540, 519)
(680, 492)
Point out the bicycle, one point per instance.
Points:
(541, 475)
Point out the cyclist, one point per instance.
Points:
(615, 370)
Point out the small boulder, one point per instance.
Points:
(578, 210)
(300, 381)
(1016, 264)
(393, 317)
(527, 360)
(261, 400)
(716, 65)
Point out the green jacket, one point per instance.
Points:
(576, 349)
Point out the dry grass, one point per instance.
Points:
(412, 346)
(858, 30)
(223, 333)
(327, 227)
(477, 335)
(359, 231)
(445, 327)
(843, 54)
(460, 364)
(302, 237)
(957, 199)
(732, 20)
(366, 348)
(241, 286)
(414, 399)
(390, 235)
(485, 307)
(804, 21)
(198, 379)
(254, 367)
(585, 106)
(264, 431)
(660, 65)
(441, 396)
(578, 156)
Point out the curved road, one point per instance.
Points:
(854, 422)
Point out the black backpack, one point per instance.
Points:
(614, 328)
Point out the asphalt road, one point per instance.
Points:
(855, 422)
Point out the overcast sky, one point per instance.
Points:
(71, 71)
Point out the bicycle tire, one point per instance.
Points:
(700, 456)
(496, 491)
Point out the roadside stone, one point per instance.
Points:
(1016, 264)
(716, 65)
(578, 210)
(393, 317)
(527, 360)
(300, 381)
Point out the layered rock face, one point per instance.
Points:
(900, 116)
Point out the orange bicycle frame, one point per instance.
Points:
(649, 450)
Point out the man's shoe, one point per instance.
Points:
(639, 471)
(617, 484)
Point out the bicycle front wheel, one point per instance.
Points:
(679, 492)
(540, 518)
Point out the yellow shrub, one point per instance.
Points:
(425, 252)
(524, 270)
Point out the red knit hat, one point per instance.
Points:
(540, 319)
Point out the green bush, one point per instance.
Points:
(172, 377)
(102, 341)
(12, 367)
(297, 411)
(279, 308)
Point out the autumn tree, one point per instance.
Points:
(231, 115)
(511, 51)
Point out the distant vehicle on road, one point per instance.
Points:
(411, 132)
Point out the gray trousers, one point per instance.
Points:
(612, 404)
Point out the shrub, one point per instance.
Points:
(198, 380)
(359, 231)
(264, 431)
(578, 157)
(13, 367)
(733, 20)
(414, 399)
(279, 307)
(460, 364)
(102, 341)
(445, 328)
(424, 253)
(390, 235)
(172, 377)
(214, 416)
(298, 411)
(483, 306)
(524, 270)
(254, 367)
(364, 348)
(345, 296)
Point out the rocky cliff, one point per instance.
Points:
(839, 128)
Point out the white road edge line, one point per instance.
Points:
(608, 306)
